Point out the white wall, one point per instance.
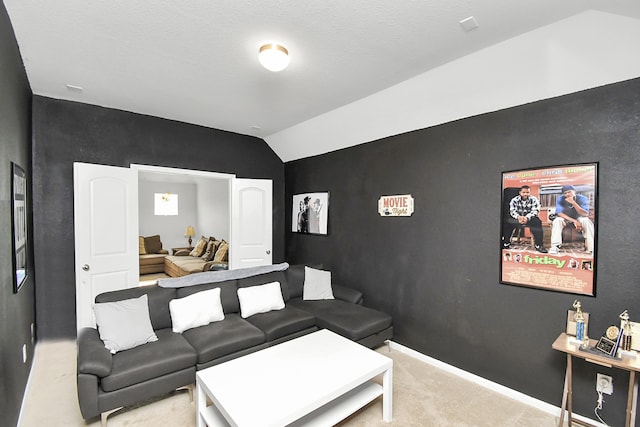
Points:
(213, 208)
(170, 228)
(203, 204)
(584, 51)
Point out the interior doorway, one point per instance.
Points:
(201, 208)
(106, 227)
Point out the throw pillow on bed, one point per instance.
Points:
(195, 310)
(124, 324)
(260, 299)
(317, 284)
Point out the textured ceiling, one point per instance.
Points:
(196, 61)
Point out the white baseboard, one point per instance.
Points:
(498, 388)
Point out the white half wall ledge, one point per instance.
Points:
(585, 51)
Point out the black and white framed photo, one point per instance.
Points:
(310, 213)
(19, 225)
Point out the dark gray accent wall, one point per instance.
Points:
(17, 311)
(437, 272)
(67, 132)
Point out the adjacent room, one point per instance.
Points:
(178, 210)
(443, 192)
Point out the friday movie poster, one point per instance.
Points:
(548, 232)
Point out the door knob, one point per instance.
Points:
(86, 267)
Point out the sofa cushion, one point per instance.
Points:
(158, 302)
(261, 279)
(187, 263)
(169, 354)
(280, 323)
(152, 259)
(222, 252)
(228, 294)
(200, 247)
(224, 337)
(141, 249)
(124, 324)
(317, 284)
(196, 310)
(210, 251)
(152, 244)
(347, 319)
(260, 299)
(295, 279)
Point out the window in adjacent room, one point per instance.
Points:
(165, 204)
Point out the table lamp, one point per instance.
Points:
(190, 232)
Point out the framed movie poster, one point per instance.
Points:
(310, 213)
(19, 225)
(549, 228)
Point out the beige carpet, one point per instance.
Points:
(422, 396)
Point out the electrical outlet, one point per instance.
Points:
(604, 384)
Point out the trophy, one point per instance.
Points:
(626, 331)
(579, 318)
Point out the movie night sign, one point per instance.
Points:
(400, 205)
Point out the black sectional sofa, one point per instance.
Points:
(108, 381)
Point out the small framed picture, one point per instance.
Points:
(310, 213)
(571, 323)
(19, 226)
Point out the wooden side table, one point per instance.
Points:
(187, 248)
(568, 345)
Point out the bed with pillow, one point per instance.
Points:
(208, 253)
(151, 340)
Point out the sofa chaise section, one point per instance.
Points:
(344, 315)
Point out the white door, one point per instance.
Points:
(251, 223)
(106, 233)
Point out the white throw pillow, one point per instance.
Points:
(197, 309)
(317, 284)
(124, 324)
(260, 299)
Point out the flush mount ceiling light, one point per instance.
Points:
(273, 56)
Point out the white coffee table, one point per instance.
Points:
(317, 379)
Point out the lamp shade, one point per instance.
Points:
(190, 231)
(273, 56)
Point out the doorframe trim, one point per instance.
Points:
(177, 171)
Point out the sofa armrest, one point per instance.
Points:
(347, 294)
(93, 356)
(163, 252)
(182, 252)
